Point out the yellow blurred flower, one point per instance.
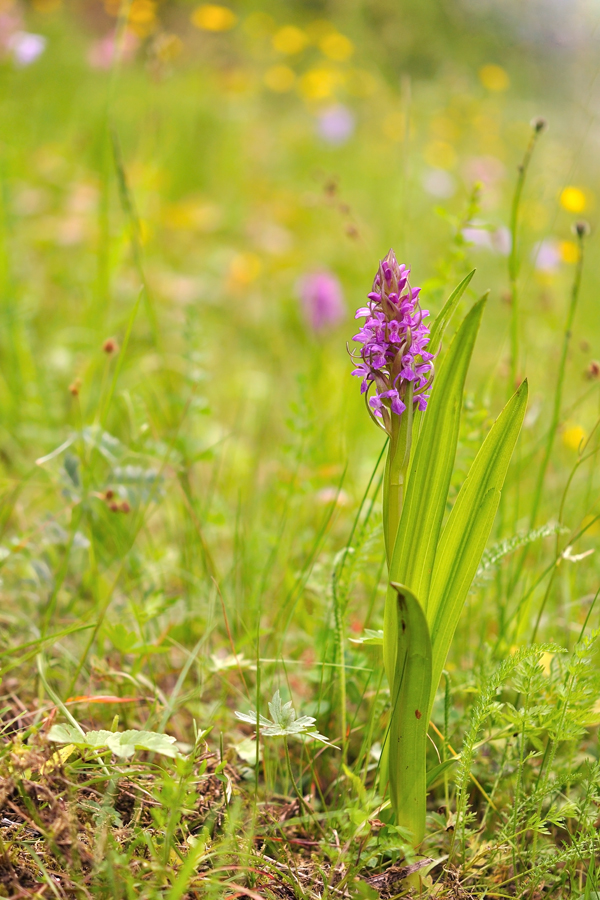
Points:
(336, 46)
(394, 126)
(44, 6)
(290, 40)
(573, 199)
(191, 215)
(360, 83)
(440, 155)
(245, 267)
(444, 128)
(142, 12)
(318, 84)
(569, 251)
(280, 79)
(494, 78)
(546, 662)
(211, 17)
(573, 436)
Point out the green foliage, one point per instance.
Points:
(191, 520)
(122, 743)
(408, 719)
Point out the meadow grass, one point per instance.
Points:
(191, 513)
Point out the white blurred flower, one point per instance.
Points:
(439, 183)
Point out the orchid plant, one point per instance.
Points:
(431, 564)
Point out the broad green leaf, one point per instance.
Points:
(429, 479)
(441, 322)
(65, 734)
(125, 743)
(121, 743)
(409, 721)
(468, 528)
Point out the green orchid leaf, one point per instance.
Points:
(429, 479)
(467, 530)
(409, 721)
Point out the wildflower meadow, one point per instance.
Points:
(299, 440)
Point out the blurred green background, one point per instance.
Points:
(221, 155)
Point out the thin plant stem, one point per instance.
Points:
(513, 259)
(295, 788)
(575, 291)
(558, 394)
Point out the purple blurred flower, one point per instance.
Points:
(394, 336)
(322, 300)
(336, 124)
(546, 255)
(26, 47)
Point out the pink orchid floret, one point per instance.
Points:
(394, 341)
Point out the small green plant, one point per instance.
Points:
(430, 567)
(122, 743)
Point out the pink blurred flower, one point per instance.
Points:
(101, 54)
(322, 300)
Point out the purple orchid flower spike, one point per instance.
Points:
(393, 359)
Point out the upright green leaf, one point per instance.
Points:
(468, 528)
(409, 719)
(429, 480)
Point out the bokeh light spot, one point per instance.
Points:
(440, 155)
(394, 126)
(290, 40)
(318, 84)
(245, 267)
(211, 17)
(569, 251)
(336, 46)
(142, 12)
(280, 79)
(494, 78)
(573, 436)
(573, 199)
